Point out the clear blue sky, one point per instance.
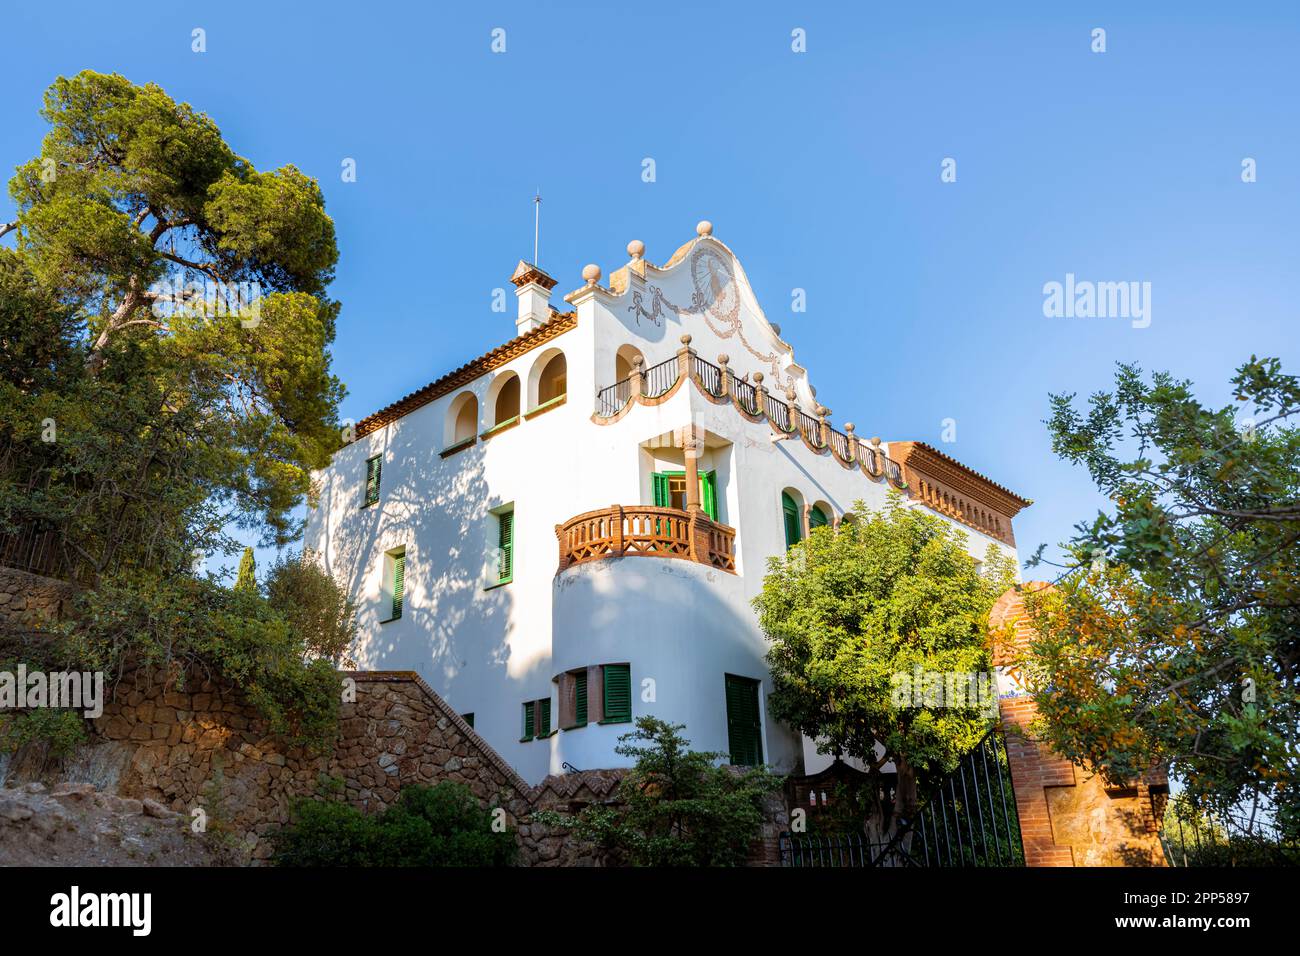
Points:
(821, 170)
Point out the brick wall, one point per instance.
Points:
(1067, 817)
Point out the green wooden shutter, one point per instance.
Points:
(399, 583)
(709, 493)
(793, 527)
(544, 717)
(663, 499)
(817, 519)
(506, 540)
(744, 735)
(372, 479)
(529, 729)
(580, 698)
(618, 693)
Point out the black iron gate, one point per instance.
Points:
(968, 819)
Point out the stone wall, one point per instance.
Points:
(29, 600)
(205, 747)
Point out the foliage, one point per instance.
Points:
(1193, 837)
(165, 378)
(1173, 638)
(62, 730)
(442, 825)
(850, 608)
(187, 627)
(675, 807)
(315, 606)
(141, 419)
(247, 576)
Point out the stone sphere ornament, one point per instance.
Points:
(704, 228)
(591, 272)
(636, 248)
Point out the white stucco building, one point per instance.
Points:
(524, 532)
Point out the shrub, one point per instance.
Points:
(676, 807)
(442, 825)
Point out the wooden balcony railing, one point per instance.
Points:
(648, 531)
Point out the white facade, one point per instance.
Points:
(488, 648)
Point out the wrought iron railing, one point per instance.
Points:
(811, 428)
(660, 378)
(841, 444)
(746, 395)
(969, 819)
(611, 399)
(778, 413)
(1192, 838)
(35, 550)
(709, 375)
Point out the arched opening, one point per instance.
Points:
(462, 420)
(506, 406)
(624, 359)
(549, 378)
(819, 516)
(792, 516)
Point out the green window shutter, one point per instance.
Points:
(580, 698)
(662, 498)
(793, 528)
(817, 519)
(709, 493)
(618, 693)
(372, 479)
(544, 717)
(529, 729)
(744, 735)
(506, 540)
(399, 583)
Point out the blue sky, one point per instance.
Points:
(820, 169)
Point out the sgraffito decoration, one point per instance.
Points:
(715, 297)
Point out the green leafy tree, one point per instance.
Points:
(676, 806)
(855, 611)
(166, 371)
(247, 577)
(1173, 636)
(315, 606)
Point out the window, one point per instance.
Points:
(395, 582)
(505, 546)
(537, 719)
(670, 491)
(507, 403)
(573, 699)
(468, 718)
(553, 382)
(793, 526)
(372, 480)
(618, 693)
(744, 731)
(817, 518)
(530, 726)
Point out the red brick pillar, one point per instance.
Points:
(1067, 817)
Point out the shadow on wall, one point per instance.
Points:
(449, 621)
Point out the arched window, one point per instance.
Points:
(793, 524)
(462, 420)
(817, 518)
(553, 381)
(507, 400)
(624, 360)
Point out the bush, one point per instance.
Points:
(442, 825)
(676, 807)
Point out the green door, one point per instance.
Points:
(744, 733)
(662, 481)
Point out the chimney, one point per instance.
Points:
(533, 289)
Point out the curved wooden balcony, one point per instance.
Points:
(647, 531)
